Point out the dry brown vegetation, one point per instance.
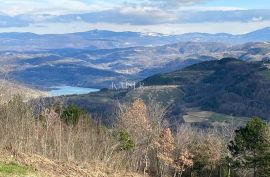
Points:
(140, 142)
(160, 152)
(48, 136)
(9, 89)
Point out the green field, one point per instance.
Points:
(196, 116)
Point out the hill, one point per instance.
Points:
(9, 89)
(227, 86)
(212, 90)
(98, 68)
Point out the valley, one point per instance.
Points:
(99, 68)
(124, 88)
(178, 85)
(230, 87)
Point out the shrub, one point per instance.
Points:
(72, 114)
(126, 143)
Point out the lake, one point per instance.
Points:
(70, 90)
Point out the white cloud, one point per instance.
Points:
(54, 7)
(173, 3)
(63, 16)
(168, 4)
(148, 12)
(257, 19)
(150, 16)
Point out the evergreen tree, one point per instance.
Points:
(72, 114)
(250, 148)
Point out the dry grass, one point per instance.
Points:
(40, 166)
(9, 89)
(45, 136)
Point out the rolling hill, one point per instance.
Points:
(97, 58)
(98, 68)
(229, 86)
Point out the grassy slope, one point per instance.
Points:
(13, 169)
(30, 165)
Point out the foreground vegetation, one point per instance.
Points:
(140, 141)
(14, 169)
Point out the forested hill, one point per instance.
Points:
(227, 86)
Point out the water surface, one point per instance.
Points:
(70, 90)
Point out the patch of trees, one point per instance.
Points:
(191, 152)
(141, 141)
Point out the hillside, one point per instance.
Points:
(227, 86)
(32, 165)
(9, 89)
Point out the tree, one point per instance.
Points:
(184, 161)
(250, 148)
(165, 147)
(126, 143)
(72, 114)
(207, 150)
(134, 121)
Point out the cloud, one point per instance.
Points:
(53, 7)
(8, 21)
(144, 15)
(173, 3)
(167, 4)
(257, 19)
(148, 16)
(138, 16)
(224, 16)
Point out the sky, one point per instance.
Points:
(160, 16)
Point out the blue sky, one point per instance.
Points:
(162, 16)
(248, 4)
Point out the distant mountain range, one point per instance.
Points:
(98, 58)
(99, 39)
(99, 68)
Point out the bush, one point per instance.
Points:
(126, 143)
(72, 114)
